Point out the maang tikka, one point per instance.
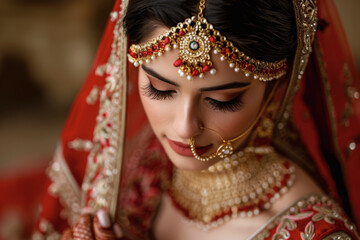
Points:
(196, 38)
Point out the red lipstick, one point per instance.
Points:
(184, 149)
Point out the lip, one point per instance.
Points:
(184, 149)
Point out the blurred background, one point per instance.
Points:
(46, 49)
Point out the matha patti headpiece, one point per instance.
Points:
(196, 38)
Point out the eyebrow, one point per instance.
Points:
(214, 88)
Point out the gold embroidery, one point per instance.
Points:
(309, 232)
(338, 236)
(80, 144)
(288, 223)
(100, 70)
(325, 213)
(93, 95)
(102, 178)
(64, 186)
(306, 21)
(286, 219)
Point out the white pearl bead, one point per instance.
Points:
(212, 71)
(131, 60)
(167, 49)
(222, 58)
(215, 51)
(136, 64)
(141, 62)
(147, 60)
(277, 196)
(189, 77)
(231, 65)
(201, 75)
(175, 46)
(247, 74)
(153, 57)
(182, 74)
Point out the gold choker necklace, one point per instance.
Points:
(238, 186)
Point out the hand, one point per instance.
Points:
(96, 227)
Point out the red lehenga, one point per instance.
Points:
(109, 158)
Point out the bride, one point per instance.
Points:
(211, 120)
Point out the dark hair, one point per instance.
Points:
(262, 29)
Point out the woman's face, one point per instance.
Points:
(227, 102)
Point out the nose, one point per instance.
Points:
(187, 120)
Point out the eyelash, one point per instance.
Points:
(228, 106)
(155, 94)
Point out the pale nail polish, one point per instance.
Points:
(103, 218)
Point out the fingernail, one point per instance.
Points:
(103, 218)
(117, 230)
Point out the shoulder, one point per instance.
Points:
(314, 217)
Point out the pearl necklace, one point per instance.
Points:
(238, 186)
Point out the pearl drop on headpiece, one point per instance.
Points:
(212, 71)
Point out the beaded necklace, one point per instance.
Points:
(238, 186)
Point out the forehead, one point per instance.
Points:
(164, 66)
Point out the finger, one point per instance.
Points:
(117, 230)
(82, 228)
(101, 233)
(104, 219)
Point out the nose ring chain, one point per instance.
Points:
(226, 148)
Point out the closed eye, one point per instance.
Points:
(153, 93)
(228, 106)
